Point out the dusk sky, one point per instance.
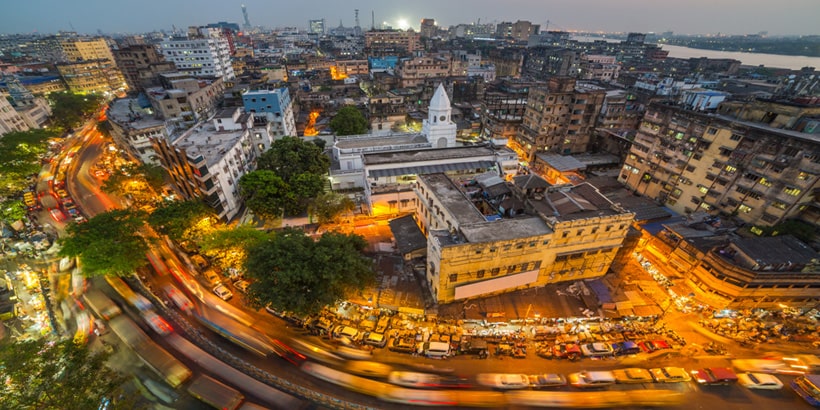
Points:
(683, 16)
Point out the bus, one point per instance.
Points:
(246, 337)
(101, 305)
(808, 387)
(156, 358)
(134, 299)
(215, 393)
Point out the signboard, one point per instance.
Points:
(494, 285)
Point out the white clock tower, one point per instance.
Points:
(439, 128)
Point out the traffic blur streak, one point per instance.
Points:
(475, 398)
(232, 376)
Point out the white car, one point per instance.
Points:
(414, 379)
(597, 349)
(761, 381)
(223, 292)
(633, 375)
(670, 375)
(505, 381)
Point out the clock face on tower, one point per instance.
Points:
(442, 118)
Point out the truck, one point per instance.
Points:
(104, 307)
(216, 394)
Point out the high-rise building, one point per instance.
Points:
(86, 49)
(141, 65)
(391, 42)
(317, 26)
(559, 118)
(205, 52)
(428, 28)
(10, 119)
(521, 30)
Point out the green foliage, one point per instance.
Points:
(799, 229)
(42, 375)
(108, 243)
(328, 206)
(68, 110)
(291, 156)
(349, 121)
(20, 154)
(304, 187)
(179, 219)
(12, 210)
(264, 192)
(319, 143)
(291, 271)
(154, 175)
(226, 247)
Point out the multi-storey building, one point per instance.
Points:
(342, 69)
(316, 26)
(275, 107)
(544, 62)
(485, 236)
(92, 76)
(391, 42)
(502, 109)
(207, 160)
(185, 99)
(204, 53)
(559, 118)
(620, 111)
(386, 110)
(599, 67)
(521, 30)
(428, 28)
(141, 65)
(133, 127)
(10, 119)
(692, 161)
(86, 49)
(507, 61)
(414, 71)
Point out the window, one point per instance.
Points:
(712, 131)
(580, 232)
(744, 209)
(765, 182)
(480, 274)
(453, 277)
(804, 176)
(779, 205)
(478, 251)
(495, 271)
(564, 234)
(792, 191)
(735, 137)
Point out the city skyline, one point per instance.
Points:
(787, 17)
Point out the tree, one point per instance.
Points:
(21, 153)
(182, 220)
(39, 374)
(794, 227)
(303, 188)
(108, 243)
(154, 175)
(227, 246)
(264, 192)
(349, 121)
(328, 206)
(291, 271)
(68, 109)
(292, 156)
(12, 210)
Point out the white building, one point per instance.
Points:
(133, 127)
(206, 55)
(10, 119)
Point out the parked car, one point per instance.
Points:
(403, 344)
(714, 375)
(650, 346)
(477, 347)
(596, 349)
(504, 381)
(760, 381)
(375, 339)
(591, 379)
(242, 286)
(223, 292)
(669, 375)
(212, 277)
(625, 348)
(546, 380)
(569, 351)
(633, 375)
(347, 332)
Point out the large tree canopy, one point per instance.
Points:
(68, 110)
(328, 206)
(108, 244)
(181, 220)
(227, 246)
(12, 210)
(43, 375)
(290, 174)
(291, 271)
(20, 154)
(349, 121)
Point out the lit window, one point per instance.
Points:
(765, 182)
(792, 191)
(744, 208)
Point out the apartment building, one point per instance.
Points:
(693, 161)
(559, 118)
(486, 236)
(275, 107)
(207, 160)
(521, 30)
(204, 53)
(379, 43)
(502, 109)
(599, 68)
(141, 65)
(10, 119)
(86, 48)
(544, 62)
(386, 110)
(185, 99)
(414, 71)
(132, 128)
(92, 76)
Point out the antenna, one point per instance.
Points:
(357, 17)
(247, 20)
(372, 20)
(71, 25)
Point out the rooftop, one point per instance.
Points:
(379, 141)
(560, 162)
(505, 229)
(437, 154)
(578, 202)
(776, 250)
(204, 140)
(127, 113)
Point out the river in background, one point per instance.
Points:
(751, 59)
